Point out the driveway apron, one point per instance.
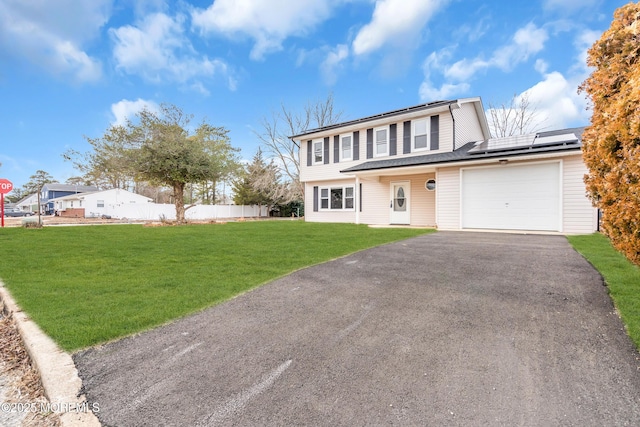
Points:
(450, 328)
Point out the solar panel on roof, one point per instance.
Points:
(565, 138)
(520, 142)
(504, 144)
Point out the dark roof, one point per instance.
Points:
(72, 188)
(420, 107)
(462, 154)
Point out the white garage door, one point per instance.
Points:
(523, 197)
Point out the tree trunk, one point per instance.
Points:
(178, 193)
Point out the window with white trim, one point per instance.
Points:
(421, 134)
(337, 198)
(100, 203)
(318, 152)
(381, 141)
(346, 148)
(324, 198)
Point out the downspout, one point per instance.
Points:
(454, 127)
(356, 194)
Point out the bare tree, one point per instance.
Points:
(284, 123)
(519, 117)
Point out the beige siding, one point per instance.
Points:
(448, 198)
(375, 202)
(445, 142)
(327, 215)
(578, 213)
(467, 125)
(377, 198)
(331, 171)
(446, 133)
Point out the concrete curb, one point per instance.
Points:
(57, 371)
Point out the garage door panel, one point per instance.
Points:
(524, 197)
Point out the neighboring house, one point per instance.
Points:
(96, 204)
(52, 191)
(29, 203)
(436, 165)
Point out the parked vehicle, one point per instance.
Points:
(16, 212)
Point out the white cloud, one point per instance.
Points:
(396, 22)
(332, 63)
(541, 66)
(465, 69)
(555, 98)
(430, 93)
(52, 34)
(158, 50)
(436, 62)
(526, 41)
(583, 43)
(125, 109)
(267, 22)
(557, 102)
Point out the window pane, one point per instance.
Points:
(317, 149)
(421, 141)
(336, 198)
(381, 141)
(324, 204)
(324, 192)
(346, 147)
(348, 203)
(348, 198)
(421, 127)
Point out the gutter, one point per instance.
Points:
(454, 127)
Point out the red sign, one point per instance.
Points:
(5, 186)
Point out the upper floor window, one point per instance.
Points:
(381, 142)
(420, 134)
(318, 152)
(346, 147)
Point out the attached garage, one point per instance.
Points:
(512, 197)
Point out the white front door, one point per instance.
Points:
(399, 206)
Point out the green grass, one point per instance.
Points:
(91, 284)
(622, 278)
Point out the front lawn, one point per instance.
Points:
(91, 284)
(622, 278)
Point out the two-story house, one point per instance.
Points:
(436, 165)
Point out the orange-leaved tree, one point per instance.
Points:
(611, 144)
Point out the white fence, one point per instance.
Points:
(155, 211)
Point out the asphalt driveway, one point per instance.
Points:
(443, 329)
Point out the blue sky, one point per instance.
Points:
(70, 68)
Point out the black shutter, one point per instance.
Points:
(309, 152)
(356, 145)
(435, 132)
(360, 195)
(392, 139)
(326, 151)
(369, 143)
(406, 138)
(315, 199)
(336, 149)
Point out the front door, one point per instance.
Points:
(399, 206)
